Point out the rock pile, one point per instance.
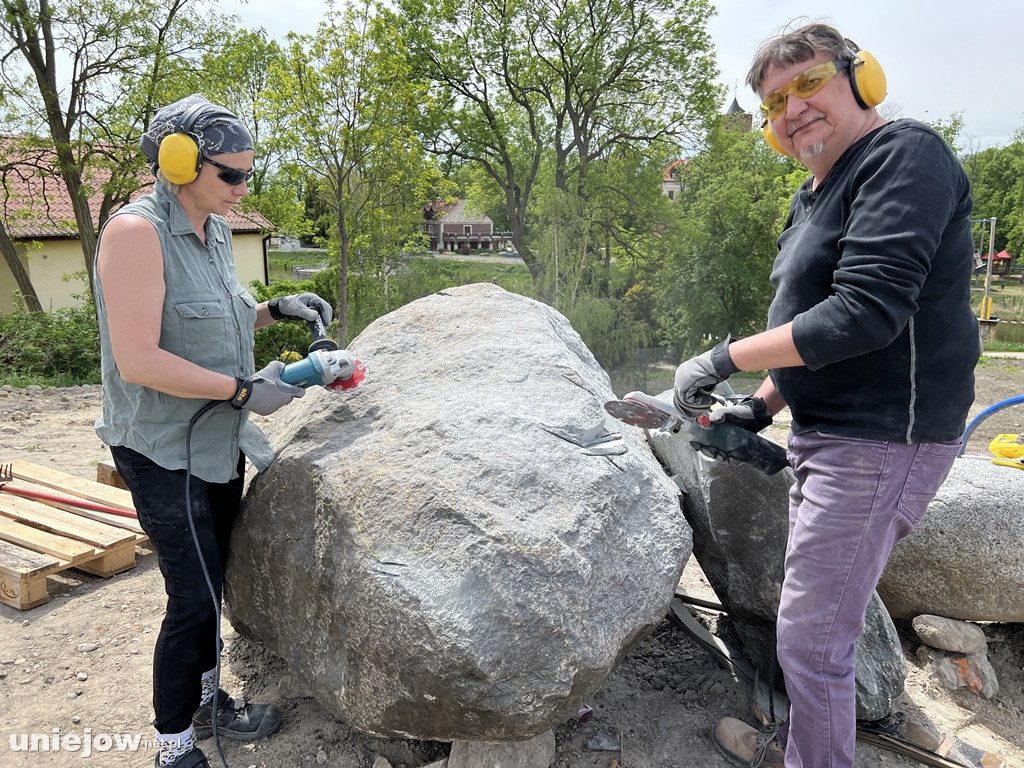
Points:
(955, 653)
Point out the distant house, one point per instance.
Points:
(37, 212)
(672, 175)
(672, 179)
(450, 227)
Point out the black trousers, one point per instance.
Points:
(187, 644)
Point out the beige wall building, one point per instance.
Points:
(56, 267)
(37, 215)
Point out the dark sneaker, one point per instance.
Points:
(194, 758)
(237, 719)
(744, 745)
(896, 724)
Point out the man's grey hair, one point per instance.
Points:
(794, 47)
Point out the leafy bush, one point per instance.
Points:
(62, 348)
(607, 331)
(370, 295)
(59, 348)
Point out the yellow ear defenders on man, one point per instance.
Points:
(179, 157)
(867, 80)
(769, 136)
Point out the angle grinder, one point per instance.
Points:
(325, 364)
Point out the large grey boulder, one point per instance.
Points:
(464, 547)
(965, 559)
(740, 522)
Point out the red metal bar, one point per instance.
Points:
(70, 501)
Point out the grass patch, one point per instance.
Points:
(1007, 299)
(1003, 346)
(21, 381)
(281, 264)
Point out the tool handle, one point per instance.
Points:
(304, 372)
(319, 334)
(740, 444)
(70, 501)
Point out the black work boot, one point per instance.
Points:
(236, 719)
(194, 758)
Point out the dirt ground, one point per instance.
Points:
(78, 667)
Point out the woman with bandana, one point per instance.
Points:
(176, 332)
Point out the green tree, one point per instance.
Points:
(998, 190)
(83, 77)
(20, 157)
(951, 130)
(730, 212)
(346, 99)
(238, 75)
(541, 91)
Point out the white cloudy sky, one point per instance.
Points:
(940, 56)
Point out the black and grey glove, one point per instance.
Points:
(750, 413)
(300, 306)
(264, 392)
(697, 377)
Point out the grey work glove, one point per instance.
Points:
(300, 306)
(265, 392)
(750, 413)
(697, 377)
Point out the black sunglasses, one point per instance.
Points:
(229, 175)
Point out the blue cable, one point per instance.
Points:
(1016, 400)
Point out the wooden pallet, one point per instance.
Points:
(107, 474)
(39, 538)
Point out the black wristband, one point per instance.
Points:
(722, 360)
(274, 311)
(759, 411)
(242, 392)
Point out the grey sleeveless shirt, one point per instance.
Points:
(208, 318)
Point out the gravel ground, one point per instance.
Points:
(80, 664)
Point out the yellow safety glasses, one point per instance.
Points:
(803, 86)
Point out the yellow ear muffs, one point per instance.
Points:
(179, 156)
(867, 80)
(771, 138)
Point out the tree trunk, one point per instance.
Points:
(72, 174)
(515, 208)
(24, 282)
(342, 280)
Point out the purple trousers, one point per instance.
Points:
(852, 501)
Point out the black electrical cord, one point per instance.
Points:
(206, 571)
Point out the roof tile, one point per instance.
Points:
(34, 202)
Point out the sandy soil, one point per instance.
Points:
(79, 666)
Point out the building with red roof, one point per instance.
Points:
(36, 211)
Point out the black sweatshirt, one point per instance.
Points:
(874, 269)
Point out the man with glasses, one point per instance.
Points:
(872, 344)
(176, 335)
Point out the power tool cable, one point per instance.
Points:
(206, 571)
